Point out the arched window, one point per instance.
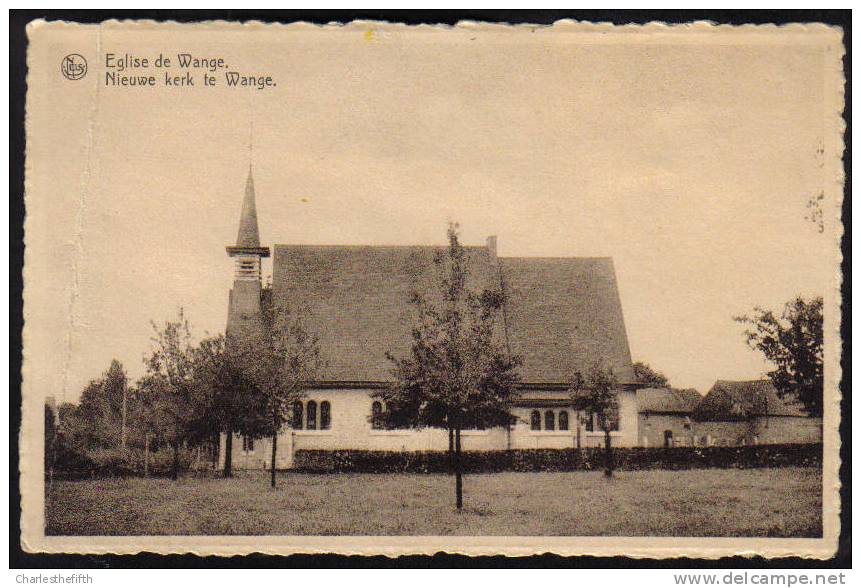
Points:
(296, 422)
(377, 415)
(535, 420)
(325, 415)
(563, 420)
(549, 421)
(312, 415)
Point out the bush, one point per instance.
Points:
(97, 462)
(560, 460)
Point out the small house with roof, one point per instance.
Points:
(561, 315)
(665, 416)
(752, 412)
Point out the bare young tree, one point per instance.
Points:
(227, 400)
(596, 392)
(170, 369)
(457, 376)
(280, 358)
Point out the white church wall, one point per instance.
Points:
(523, 437)
(350, 428)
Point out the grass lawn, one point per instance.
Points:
(780, 502)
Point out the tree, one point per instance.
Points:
(171, 378)
(595, 392)
(457, 375)
(280, 357)
(50, 439)
(100, 408)
(151, 413)
(72, 434)
(644, 374)
(793, 343)
(226, 398)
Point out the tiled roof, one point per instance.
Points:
(248, 235)
(731, 400)
(562, 313)
(668, 400)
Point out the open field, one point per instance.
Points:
(779, 502)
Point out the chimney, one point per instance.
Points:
(491, 246)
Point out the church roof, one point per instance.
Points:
(249, 235)
(562, 314)
(731, 400)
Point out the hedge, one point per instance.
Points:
(559, 460)
(94, 463)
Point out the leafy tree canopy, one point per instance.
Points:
(595, 391)
(649, 377)
(458, 374)
(791, 341)
(100, 408)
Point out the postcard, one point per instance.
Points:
(374, 288)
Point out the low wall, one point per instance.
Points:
(561, 460)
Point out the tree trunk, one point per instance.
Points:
(174, 474)
(216, 445)
(450, 450)
(228, 455)
(608, 454)
(274, 450)
(458, 474)
(146, 455)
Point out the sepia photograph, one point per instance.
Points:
(378, 288)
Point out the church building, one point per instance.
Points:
(561, 315)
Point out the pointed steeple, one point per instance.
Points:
(249, 235)
(247, 249)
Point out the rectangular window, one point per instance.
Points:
(311, 423)
(325, 415)
(377, 415)
(595, 424)
(612, 417)
(296, 420)
(247, 444)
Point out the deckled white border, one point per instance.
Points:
(31, 437)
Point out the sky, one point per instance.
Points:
(689, 164)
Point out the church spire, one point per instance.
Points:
(247, 251)
(249, 235)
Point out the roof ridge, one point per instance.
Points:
(363, 246)
(554, 257)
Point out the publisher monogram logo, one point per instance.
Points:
(74, 66)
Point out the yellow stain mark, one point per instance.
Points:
(304, 200)
(369, 35)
